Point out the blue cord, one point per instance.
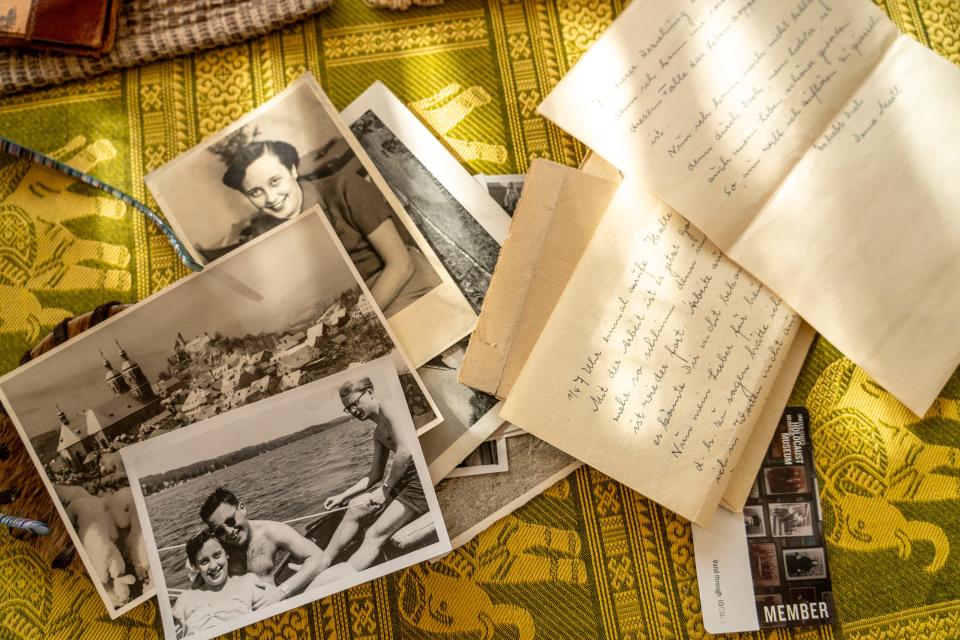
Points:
(14, 149)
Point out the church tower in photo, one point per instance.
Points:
(114, 380)
(139, 385)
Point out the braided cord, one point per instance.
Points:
(14, 149)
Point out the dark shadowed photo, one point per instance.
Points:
(238, 332)
(267, 508)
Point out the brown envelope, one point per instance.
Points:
(551, 227)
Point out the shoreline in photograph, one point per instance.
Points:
(197, 484)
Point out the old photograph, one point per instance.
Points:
(469, 416)
(504, 189)
(785, 480)
(471, 504)
(281, 503)
(290, 154)
(506, 430)
(791, 519)
(763, 564)
(489, 457)
(753, 521)
(460, 221)
(805, 564)
(465, 228)
(284, 310)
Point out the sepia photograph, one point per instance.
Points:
(230, 336)
(281, 503)
(805, 564)
(504, 189)
(753, 521)
(294, 152)
(459, 220)
(489, 457)
(763, 564)
(791, 519)
(785, 480)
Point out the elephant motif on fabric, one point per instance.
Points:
(450, 106)
(40, 255)
(437, 600)
(870, 462)
(447, 597)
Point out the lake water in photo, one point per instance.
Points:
(289, 482)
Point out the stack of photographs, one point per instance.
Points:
(240, 333)
(269, 431)
(464, 227)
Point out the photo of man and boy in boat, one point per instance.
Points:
(285, 504)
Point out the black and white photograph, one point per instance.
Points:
(504, 189)
(489, 457)
(785, 480)
(465, 228)
(753, 521)
(469, 416)
(460, 221)
(281, 503)
(792, 519)
(243, 329)
(805, 564)
(294, 152)
(471, 504)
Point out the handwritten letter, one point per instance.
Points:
(656, 359)
(781, 127)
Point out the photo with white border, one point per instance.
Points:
(465, 228)
(489, 457)
(249, 514)
(290, 153)
(283, 310)
(460, 221)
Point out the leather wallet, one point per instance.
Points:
(79, 27)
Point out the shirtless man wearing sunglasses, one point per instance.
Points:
(255, 546)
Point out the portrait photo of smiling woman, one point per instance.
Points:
(268, 174)
(292, 154)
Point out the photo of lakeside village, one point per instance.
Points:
(204, 376)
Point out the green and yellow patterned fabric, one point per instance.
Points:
(589, 558)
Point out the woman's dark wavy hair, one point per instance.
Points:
(245, 155)
(196, 542)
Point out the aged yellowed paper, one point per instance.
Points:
(657, 358)
(808, 127)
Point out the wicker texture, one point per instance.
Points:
(151, 30)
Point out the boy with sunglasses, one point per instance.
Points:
(253, 546)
